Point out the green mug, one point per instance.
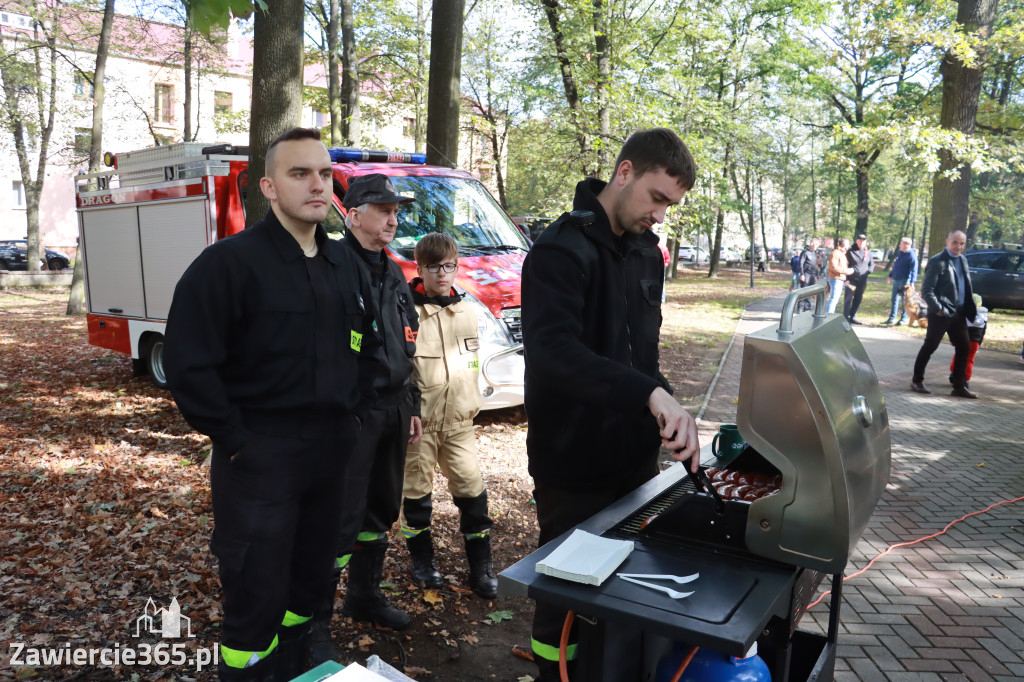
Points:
(727, 442)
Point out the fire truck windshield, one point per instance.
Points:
(459, 207)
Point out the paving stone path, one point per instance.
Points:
(948, 608)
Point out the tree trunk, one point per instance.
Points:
(604, 78)
(572, 96)
(333, 86)
(443, 88)
(187, 137)
(349, 76)
(961, 87)
(764, 234)
(863, 193)
(76, 299)
(277, 86)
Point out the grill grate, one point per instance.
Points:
(634, 523)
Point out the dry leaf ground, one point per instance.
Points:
(106, 504)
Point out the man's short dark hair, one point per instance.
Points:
(290, 135)
(659, 148)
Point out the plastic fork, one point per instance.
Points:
(674, 594)
(678, 579)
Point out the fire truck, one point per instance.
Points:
(142, 223)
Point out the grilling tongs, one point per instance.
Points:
(700, 479)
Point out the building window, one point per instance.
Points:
(18, 194)
(83, 140)
(222, 103)
(409, 127)
(321, 118)
(83, 86)
(162, 102)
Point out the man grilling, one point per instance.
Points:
(592, 286)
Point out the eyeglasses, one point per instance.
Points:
(436, 267)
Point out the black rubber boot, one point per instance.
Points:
(321, 647)
(267, 670)
(421, 553)
(481, 572)
(293, 651)
(363, 599)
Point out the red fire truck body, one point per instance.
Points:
(142, 224)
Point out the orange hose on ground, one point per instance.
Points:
(563, 647)
(913, 542)
(684, 665)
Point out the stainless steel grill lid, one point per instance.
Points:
(811, 405)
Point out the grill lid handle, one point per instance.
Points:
(789, 308)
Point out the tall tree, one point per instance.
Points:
(961, 88)
(276, 87)
(444, 90)
(28, 76)
(76, 299)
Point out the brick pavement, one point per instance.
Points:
(949, 608)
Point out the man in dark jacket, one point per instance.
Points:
(393, 420)
(809, 269)
(947, 291)
(903, 272)
(265, 336)
(595, 397)
(863, 265)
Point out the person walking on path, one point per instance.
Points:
(863, 264)
(837, 270)
(446, 371)
(265, 342)
(903, 272)
(947, 291)
(809, 270)
(598, 405)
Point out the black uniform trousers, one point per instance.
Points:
(956, 328)
(558, 510)
(277, 509)
(374, 480)
(852, 298)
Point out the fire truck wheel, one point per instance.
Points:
(3, 265)
(155, 361)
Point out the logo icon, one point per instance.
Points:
(168, 623)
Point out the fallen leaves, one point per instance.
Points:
(433, 597)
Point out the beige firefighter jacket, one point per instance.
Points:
(446, 366)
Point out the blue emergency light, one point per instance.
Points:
(343, 155)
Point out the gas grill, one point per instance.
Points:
(813, 416)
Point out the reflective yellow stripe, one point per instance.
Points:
(356, 341)
(367, 536)
(550, 653)
(293, 619)
(411, 532)
(243, 659)
(476, 536)
(343, 560)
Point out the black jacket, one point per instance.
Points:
(397, 319)
(861, 260)
(938, 288)
(809, 266)
(260, 339)
(591, 323)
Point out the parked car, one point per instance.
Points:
(14, 256)
(693, 254)
(878, 254)
(997, 275)
(727, 254)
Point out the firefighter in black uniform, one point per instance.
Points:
(265, 338)
(393, 420)
(592, 288)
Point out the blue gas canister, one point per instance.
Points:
(713, 666)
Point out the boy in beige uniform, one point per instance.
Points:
(445, 371)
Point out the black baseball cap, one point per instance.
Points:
(375, 188)
(861, 236)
